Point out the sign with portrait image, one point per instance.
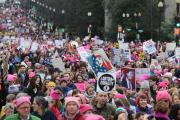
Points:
(106, 82)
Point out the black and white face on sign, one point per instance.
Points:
(106, 83)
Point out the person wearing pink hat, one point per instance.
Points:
(163, 104)
(72, 107)
(142, 104)
(23, 106)
(93, 117)
(56, 96)
(86, 109)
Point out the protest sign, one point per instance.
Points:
(99, 62)
(106, 82)
(81, 87)
(155, 63)
(177, 52)
(24, 44)
(120, 56)
(98, 41)
(149, 46)
(83, 53)
(59, 43)
(139, 72)
(162, 57)
(58, 63)
(172, 59)
(128, 78)
(34, 46)
(170, 46)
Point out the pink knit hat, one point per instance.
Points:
(144, 77)
(119, 96)
(93, 117)
(163, 95)
(72, 99)
(22, 99)
(55, 94)
(11, 78)
(163, 84)
(83, 98)
(85, 107)
(32, 74)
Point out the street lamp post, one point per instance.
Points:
(160, 6)
(137, 15)
(54, 11)
(177, 22)
(90, 26)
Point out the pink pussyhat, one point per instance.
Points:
(144, 77)
(165, 70)
(93, 117)
(163, 84)
(119, 96)
(22, 99)
(55, 95)
(32, 74)
(11, 78)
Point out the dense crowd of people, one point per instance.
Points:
(32, 87)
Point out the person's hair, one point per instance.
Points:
(40, 82)
(175, 94)
(138, 115)
(75, 92)
(21, 94)
(76, 78)
(83, 64)
(40, 101)
(117, 113)
(174, 111)
(123, 102)
(10, 98)
(44, 89)
(89, 86)
(161, 107)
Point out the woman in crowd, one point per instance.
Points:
(41, 110)
(142, 104)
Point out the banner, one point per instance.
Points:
(139, 72)
(149, 46)
(128, 78)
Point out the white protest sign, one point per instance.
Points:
(24, 44)
(149, 46)
(172, 59)
(120, 56)
(139, 72)
(170, 46)
(106, 82)
(126, 54)
(155, 63)
(59, 43)
(98, 41)
(177, 52)
(34, 46)
(83, 53)
(58, 63)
